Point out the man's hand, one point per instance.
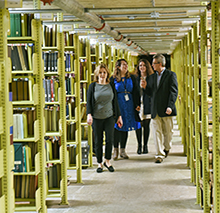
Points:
(168, 111)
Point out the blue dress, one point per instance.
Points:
(123, 88)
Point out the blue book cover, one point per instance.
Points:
(18, 163)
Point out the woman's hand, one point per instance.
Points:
(143, 83)
(89, 119)
(138, 108)
(120, 122)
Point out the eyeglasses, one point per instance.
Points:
(156, 63)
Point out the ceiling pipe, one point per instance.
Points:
(144, 9)
(120, 21)
(154, 27)
(73, 7)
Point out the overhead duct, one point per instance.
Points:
(73, 7)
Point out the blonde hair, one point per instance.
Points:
(97, 70)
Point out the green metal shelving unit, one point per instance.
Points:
(6, 149)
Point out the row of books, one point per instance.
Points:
(25, 186)
(83, 69)
(69, 61)
(71, 154)
(20, 126)
(50, 36)
(20, 24)
(70, 109)
(50, 61)
(20, 88)
(52, 117)
(51, 89)
(28, 116)
(23, 158)
(21, 56)
(70, 130)
(69, 85)
(83, 92)
(52, 146)
(54, 176)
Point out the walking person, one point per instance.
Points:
(143, 71)
(102, 113)
(163, 88)
(129, 103)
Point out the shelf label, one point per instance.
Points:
(67, 27)
(47, 16)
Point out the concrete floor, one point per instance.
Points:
(137, 185)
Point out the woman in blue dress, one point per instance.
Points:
(129, 103)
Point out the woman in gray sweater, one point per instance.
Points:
(102, 113)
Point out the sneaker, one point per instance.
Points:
(158, 160)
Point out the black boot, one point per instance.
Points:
(139, 149)
(145, 150)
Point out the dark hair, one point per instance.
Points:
(97, 70)
(117, 71)
(149, 69)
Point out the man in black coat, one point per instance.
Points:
(163, 88)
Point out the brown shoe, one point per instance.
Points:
(158, 160)
(166, 152)
(123, 153)
(115, 155)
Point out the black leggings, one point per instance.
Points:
(120, 137)
(146, 125)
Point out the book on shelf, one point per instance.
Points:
(18, 158)
(25, 186)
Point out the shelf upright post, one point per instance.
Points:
(114, 59)
(62, 99)
(6, 116)
(196, 106)
(186, 98)
(97, 54)
(204, 112)
(103, 53)
(215, 103)
(89, 69)
(110, 58)
(40, 107)
(78, 110)
(182, 89)
(40, 113)
(190, 107)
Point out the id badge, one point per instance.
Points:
(126, 97)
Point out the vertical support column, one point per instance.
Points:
(103, 53)
(89, 69)
(62, 100)
(204, 108)
(190, 123)
(78, 110)
(110, 58)
(186, 116)
(197, 106)
(97, 54)
(114, 59)
(8, 154)
(40, 113)
(215, 103)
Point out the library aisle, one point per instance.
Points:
(137, 185)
